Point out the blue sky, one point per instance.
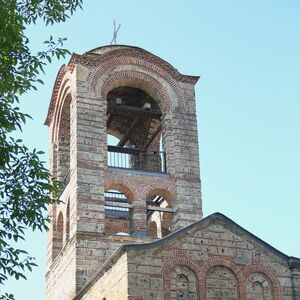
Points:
(248, 102)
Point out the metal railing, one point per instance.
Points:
(137, 159)
(116, 205)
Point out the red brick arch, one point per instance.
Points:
(115, 58)
(58, 86)
(170, 265)
(268, 272)
(122, 184)
(159, 188)
(138, 80)
(61, 96)
(218, 262)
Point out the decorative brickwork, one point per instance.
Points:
(79, 119)
(266, 277)
(140, 80)
(132, 229)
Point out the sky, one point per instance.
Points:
(248, 103)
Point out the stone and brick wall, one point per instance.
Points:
(209, 260)
(212, 260)
(112, 285)
(78, 145)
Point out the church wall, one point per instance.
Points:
(92, 252)
(112, 285)
(225, 263)
(60, 278)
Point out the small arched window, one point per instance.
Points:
(59, 232)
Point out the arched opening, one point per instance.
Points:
(135, 118)
(159, 210)
(118, 215)
(63, 143)
(59, 233)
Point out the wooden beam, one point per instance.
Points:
(109, 119)
(126, 110)
(127, 135)
(161, 209)
(153, 136)
(114, 204)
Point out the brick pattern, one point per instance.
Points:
(113, 284)
(77, 120)
(211, 269)
(209, 261)
(140, 80)
(221, 283)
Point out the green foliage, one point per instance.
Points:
(25, 183)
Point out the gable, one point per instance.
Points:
(224, 258)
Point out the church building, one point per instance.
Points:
(123, 140)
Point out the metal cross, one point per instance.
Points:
(114, 38)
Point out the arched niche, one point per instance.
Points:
(58, 234)
(184, 284)
(259, 287)
(221, 283)
(63, 142)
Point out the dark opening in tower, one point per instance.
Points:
(62, 170)
(118, 216)
(135, 119)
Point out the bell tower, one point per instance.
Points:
(123, 139)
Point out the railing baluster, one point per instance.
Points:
(128, 158)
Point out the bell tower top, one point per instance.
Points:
(134, 55)
(123, 139)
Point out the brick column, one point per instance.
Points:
(139, 218)
(89, 153)
(188, 204)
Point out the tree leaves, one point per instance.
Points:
(26, 187)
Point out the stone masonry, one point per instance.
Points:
(77, 120)
(130, 222)
(211, 259)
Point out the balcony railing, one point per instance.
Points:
(137, 159)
